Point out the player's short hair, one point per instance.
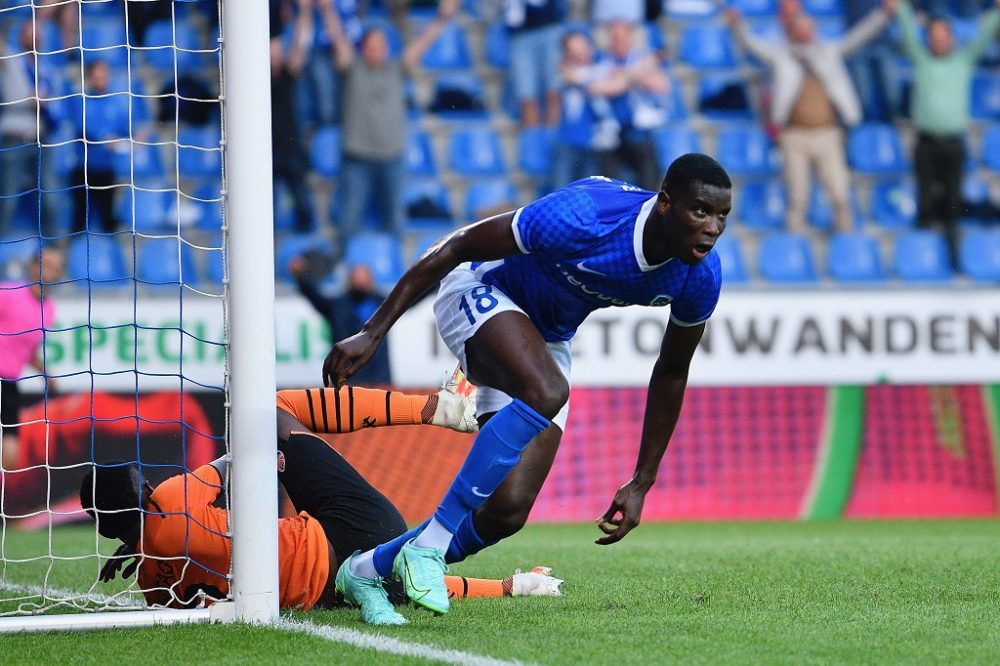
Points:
(694, 167)
(112, 494)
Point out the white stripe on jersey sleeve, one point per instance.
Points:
(517, 231)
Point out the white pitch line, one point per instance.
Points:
(389, 645)
(64, 594)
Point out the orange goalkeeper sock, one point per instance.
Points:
(460, 587)
(352, 408)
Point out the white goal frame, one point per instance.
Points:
(247, 199)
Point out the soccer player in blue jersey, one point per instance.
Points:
(514, 289)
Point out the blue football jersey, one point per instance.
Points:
(582, 250)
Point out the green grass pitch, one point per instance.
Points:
(793, 593)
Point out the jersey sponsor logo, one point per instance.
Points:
(281, 461)
(662, 299)
(583, 268)
(611, 300)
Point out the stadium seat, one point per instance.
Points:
(991, 148)
(419, 154)
(105, 39)
(450, 50)
(761, 204)
(143, 161)
(459, 95)
(922, 256)
(424, 239)
(496, 44)
(294, 245)
(160, 40)
(475, 151)
(820, 212)
(16, 248)
(723, 96)
(786, 257)
(146, 209)
(488, 195)
(534, 150)
(380, 252)
(979, 254)
(165, 261)
(894, 203)
(426, 199)
(751, 8)
(854, 257)
(707, 45)
(214, 270)
(199, 152)
(823, 7)
(746, 150)
(730, 252)
(672, 141)
(98, 258)
(324, 151)
(986, 96)
(875, 148)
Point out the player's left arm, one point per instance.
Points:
(663, 408)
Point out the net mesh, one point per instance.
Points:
(111, 158)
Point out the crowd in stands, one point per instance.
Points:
(394, 122)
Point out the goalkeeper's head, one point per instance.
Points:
(114, 495)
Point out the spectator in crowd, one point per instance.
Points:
(24, 125)
(939, 109)
(872, 67)
(320, 84)
(288, 163)
(535, 27)
(102, 120)
(347, 312)
(25, 313)
(373, 139)
(637, 88)
(812, 98)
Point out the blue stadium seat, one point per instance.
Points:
(424, 239)
(991, 148)
(786, 257)
(98, 258)
(105, 39)
(496, 44)
(706, 46)
(215, 264)
(986, 96)
(730, 252)
(672, 141)
(751, 8)
(854, 257)
(761, 204)
(153, 208)
(746, 150)
(723, 96)
(820, 212)
(922, 256)
(427, 199)
(324, 151)
(419, 154)
(534, 150)
(160, 39)
(475, 151)
(823, 7)
(875, 148)
(199, 152)
(450, 50)
(143, 161)
(165, 261)
(379, 251)
(209, 205)
(894, 203)
(487, 195)
(15, 249)
(290, 246)
(979, 254)
(459, 95)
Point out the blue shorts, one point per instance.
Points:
(534, 61)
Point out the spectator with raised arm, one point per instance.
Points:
(939, 109)
(812, 100)
(373, 117)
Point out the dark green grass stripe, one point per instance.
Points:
(834, 476)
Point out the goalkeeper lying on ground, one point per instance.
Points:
(181, 549)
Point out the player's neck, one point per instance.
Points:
(655, 244)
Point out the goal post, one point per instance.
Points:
(34, 595)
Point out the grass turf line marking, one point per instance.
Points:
(389, 645)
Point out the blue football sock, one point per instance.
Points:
(386, 553)
(466, 542)
(495, 451)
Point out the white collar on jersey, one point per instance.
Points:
(640, 225)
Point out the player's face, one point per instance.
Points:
(696, 219)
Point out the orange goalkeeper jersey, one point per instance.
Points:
(187, 549)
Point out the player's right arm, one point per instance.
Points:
(487, 240)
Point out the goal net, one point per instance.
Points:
(122, 301)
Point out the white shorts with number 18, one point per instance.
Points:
(464, 304)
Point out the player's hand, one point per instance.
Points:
(623, 514)
(124, 553)
(347, 356)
